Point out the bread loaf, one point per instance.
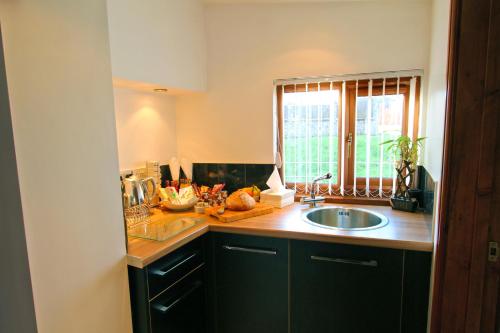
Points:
(240, 200)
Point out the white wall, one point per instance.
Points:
(436, 88)
(17, 312)
(59, 77)
(145, 124)
(158, 41)
(434, 116)
(249, 45)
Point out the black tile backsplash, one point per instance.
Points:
(427, 185)
(235, 176)
(206, 174)
(165, 174)
(258, 174)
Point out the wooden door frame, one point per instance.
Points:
(465, 283)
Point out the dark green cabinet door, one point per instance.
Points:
(251, 284)
(417, 276)
(345, 289)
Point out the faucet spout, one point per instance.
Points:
(326, 176)
(317, 179)
(313, 200)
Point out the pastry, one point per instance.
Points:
(240, 200)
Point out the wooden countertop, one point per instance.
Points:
(407, 231)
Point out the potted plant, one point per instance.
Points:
(405, 152)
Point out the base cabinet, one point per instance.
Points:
(228, 283)
(170, 295)
(250, 284)
(345, 289)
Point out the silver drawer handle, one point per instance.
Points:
(165, 308)
(370, 263)
(161, 272)
(247, 249)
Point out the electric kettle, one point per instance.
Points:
(136, 192)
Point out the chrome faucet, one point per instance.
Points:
(313, 200)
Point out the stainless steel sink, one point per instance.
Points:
(345, 218)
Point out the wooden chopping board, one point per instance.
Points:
(233, 215)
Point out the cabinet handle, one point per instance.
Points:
(162, 272)
(370, 263)
(165, 308)
(250, 250)
(349, 145)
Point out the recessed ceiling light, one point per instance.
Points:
(160, 90)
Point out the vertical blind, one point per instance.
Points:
(336, 124)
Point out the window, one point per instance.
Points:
(338, 126)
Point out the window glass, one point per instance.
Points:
(385, 123)
(311, 128)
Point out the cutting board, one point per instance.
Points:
(233, 215)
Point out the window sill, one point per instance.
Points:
(353, 200)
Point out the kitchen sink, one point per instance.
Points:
(345, 218)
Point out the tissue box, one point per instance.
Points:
(279, 199)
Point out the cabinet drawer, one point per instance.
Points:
(180, 309)
(348, 255)
(166, 271)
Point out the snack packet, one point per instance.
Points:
(186, 194)
(170, 194)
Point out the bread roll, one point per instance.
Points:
(240, 200)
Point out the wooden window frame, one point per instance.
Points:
(377, 89)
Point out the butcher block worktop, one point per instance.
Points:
(407, 231)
